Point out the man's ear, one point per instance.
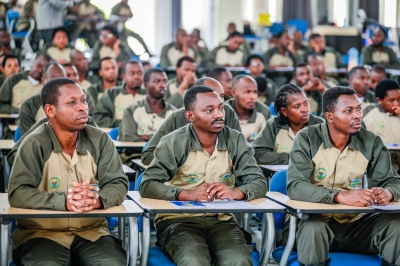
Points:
(42, 80)
(49, 110)
(189, 116)
(329, 117)
(378, 100)
(233, 92)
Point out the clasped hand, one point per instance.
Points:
(81, 197)
(364, 197)
(210, 192)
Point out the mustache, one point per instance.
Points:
(217, 120)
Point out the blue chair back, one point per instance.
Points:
(278, 184)
(300, 24)
(272, 109)
(145, 146)
(113, 133)
(276, 28)
(12, 15)
(17, 134)
(138, 181)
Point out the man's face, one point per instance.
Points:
(284, 40)
(375, 77)
(53, 72)
(317, 66)
(5, 38)
(157, 84)
(360, 82)
(109, 70)
(71, 111)
(297, 108)
(317, 44)
(378, 37)
(246, 93)
(107, 38)
(80, 61)
(297, 37)
(182, 38)
(234, 43)
(347, 116)
(231, 28)
(390, 101)
(194, 38)
(11, 67)
(256, 67)
(303, 75)
(226, 81)
(133, 75)
(37, 68)
(207, 114)
(60, 40)
(72, 73)
(216, 86)
(187, 68)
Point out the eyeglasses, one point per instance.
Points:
(107, 36)
(256, 64)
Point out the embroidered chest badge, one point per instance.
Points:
(23, 90)
(321, 173)
(253, 136)
(382, 124)
(192, 178)
(226, 177)
(120, 108)
(54, 183)
(142, 129)
(284, 150)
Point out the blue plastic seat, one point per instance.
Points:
(113, 133)
(278, 184)
(11, 22)
(299, 24)
(276, 28)
(17, 134)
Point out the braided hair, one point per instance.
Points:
(281, 99)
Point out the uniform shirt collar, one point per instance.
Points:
(253, 116)
(149, 111)
(353, 140)
(80, 147)
(195, 143)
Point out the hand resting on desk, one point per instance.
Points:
(210, 192)
(364, 197)
(81, 198)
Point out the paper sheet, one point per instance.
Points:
(229, 205)
(386, 207)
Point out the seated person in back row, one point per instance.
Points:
(109, 111)
(377, 73)
(359, 82)
(9, 66)
(185, 78)
(108, 72)
(331, 57)
(79, 60)
(61, 159)
(383, 119)
(327, 163)
(318, 68)
(223, 76)
(59, 50)
(5, 44)
(202, 161)
(253, 114)
(19, 87)
(177, 120)
(272, 145)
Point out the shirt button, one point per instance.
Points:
(70, 171)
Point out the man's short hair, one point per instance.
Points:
(302, 64)
(60, 29)
(145, 63)
(314, 35)
(236, 79)
(331, 97)
(104, 59)
(67, 65)
(183, 59)
(202, 81)
(51, 90)
(48, 65)
(253, 56)
(112, 30)
(147, 74)
(279, 35)
(131, 62)
(384, 86)
(235, 34)
(378, 68)
(46, 56)
(9, 56)
(191, 95)
(216, 72)
(354, 70)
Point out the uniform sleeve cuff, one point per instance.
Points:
(60, 202)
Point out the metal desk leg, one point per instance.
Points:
(4, 244)
(133, 240)
(6, 172)
(121, 229)
(290, 243)
(269, 239)
(246, 222)
(146, 241)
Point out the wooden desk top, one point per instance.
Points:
(310, 207)
(274, 168)
(6, 144)
(138, 163)
(164, 206)
(127, 209)
(13, 127)
(123, 144)
(9, 116)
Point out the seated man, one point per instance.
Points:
(177, 120)
(202, 161)
(312, 86)
(185, 78)
(5, 47)
(317, 65)
(109, 110)
(377, 73)
(9, 66)
(61, 159)
(327, 163)
(110, 45)
(298, 46)
(19, 87)
(253, 114)
(31, 109)
(272, 145)
(223, 76)
(379, 53)
(199, 45)
(143, 118)
(172, 52)
(383, 119)
(255, 64)
(79, 60)
(359, 82)
(331, 57)
(108, 72)
(228, 54)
